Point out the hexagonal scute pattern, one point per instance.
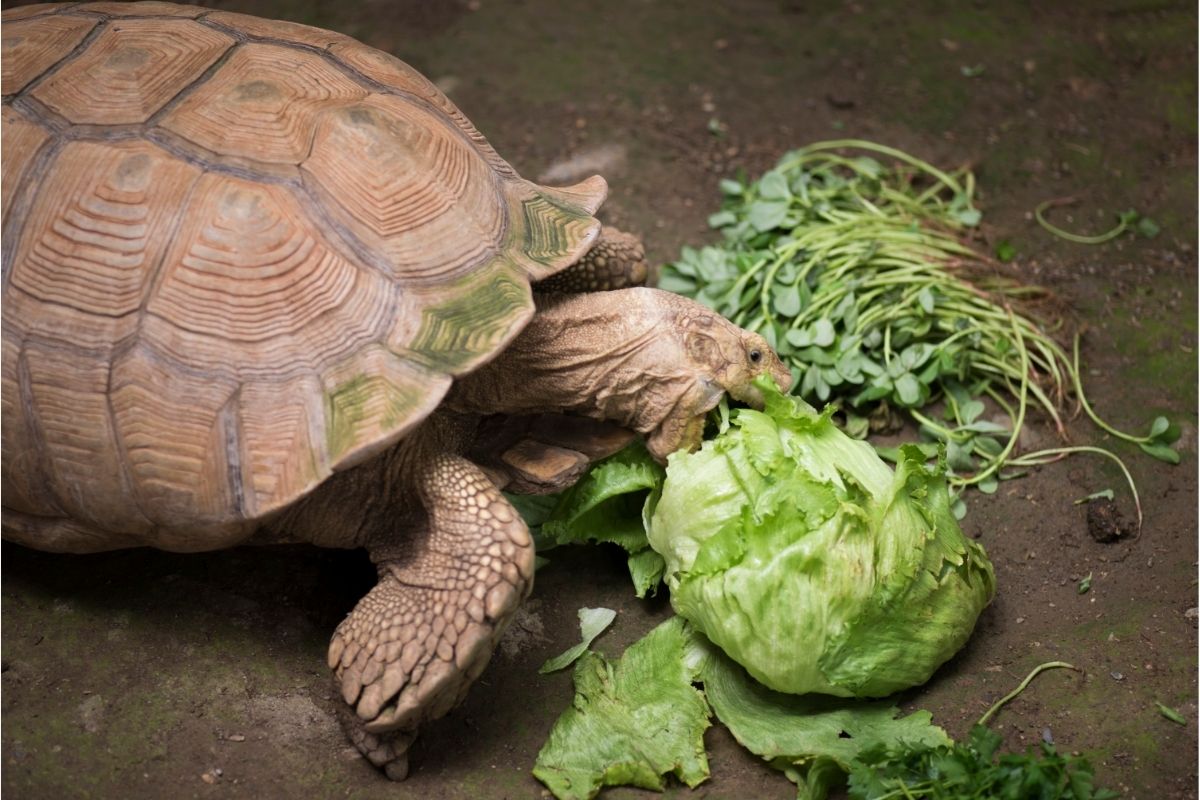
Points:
(262, 104)
(251, 289)
(32, 46)
(241, 255)
(416, 192)
(132, 69)
(93, 237)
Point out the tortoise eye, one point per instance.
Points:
(755, 356)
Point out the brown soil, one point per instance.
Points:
(147, 674)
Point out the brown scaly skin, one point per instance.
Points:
(616, 261)
(454, 558)
(649, 360)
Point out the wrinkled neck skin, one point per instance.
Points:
(610, 355)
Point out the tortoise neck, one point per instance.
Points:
(577, 355)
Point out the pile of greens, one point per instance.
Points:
(806, 573)
(862, 278)
(639, 718)
(798, 561)
(792, 546)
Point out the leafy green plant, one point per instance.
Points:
(972, 769)
(862, 278)
(810, 561)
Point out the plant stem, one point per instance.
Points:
(1099, 238)
(1021, 687)
(1039, 457)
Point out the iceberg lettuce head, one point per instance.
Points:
(813, 563)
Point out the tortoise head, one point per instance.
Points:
(731, 357)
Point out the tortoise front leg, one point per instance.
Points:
(412, 647)
(617, 260)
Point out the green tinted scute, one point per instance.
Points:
(475, 323)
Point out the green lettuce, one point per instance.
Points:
(811, 562)
(814, 739)
(633, 721)
(606, 505)
(592, 622)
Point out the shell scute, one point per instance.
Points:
(22, 140)
(283, 441)
(23, 481)
(416, 193)
(280, 30)
(399, 76)
(262, 104)
(132, 69)
(34, 9)
(251, 288)
(96, 231)
(175, 436)
(372, 399)
(145, 8)
(69, 392)
(33, 45)
(474, 321)
(550, 228)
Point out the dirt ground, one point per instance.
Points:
(143, 674)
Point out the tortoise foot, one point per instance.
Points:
(410, 649)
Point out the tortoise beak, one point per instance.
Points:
(772, 366)
(781, 374)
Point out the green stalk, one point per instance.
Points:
(1038, 670)
(1100, 238)
(1087, 407)
(1041, 457)
(1018, 421)
(899, 155)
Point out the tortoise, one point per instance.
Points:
(263, 283)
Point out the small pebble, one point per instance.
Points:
(237, 737)
(1192, 613)
(1047, 736)
(1117, 676)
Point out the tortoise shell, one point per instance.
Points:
(238, 256)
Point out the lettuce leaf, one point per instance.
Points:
(815, 740)
(632, 721)
(606, 505)
(592, 622)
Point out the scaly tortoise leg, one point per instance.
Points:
(617, 260)
(412, 647)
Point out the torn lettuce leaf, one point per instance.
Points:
(632, 722)
(592, 622)
(815, 740)
(800, 553)
(606, 505)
